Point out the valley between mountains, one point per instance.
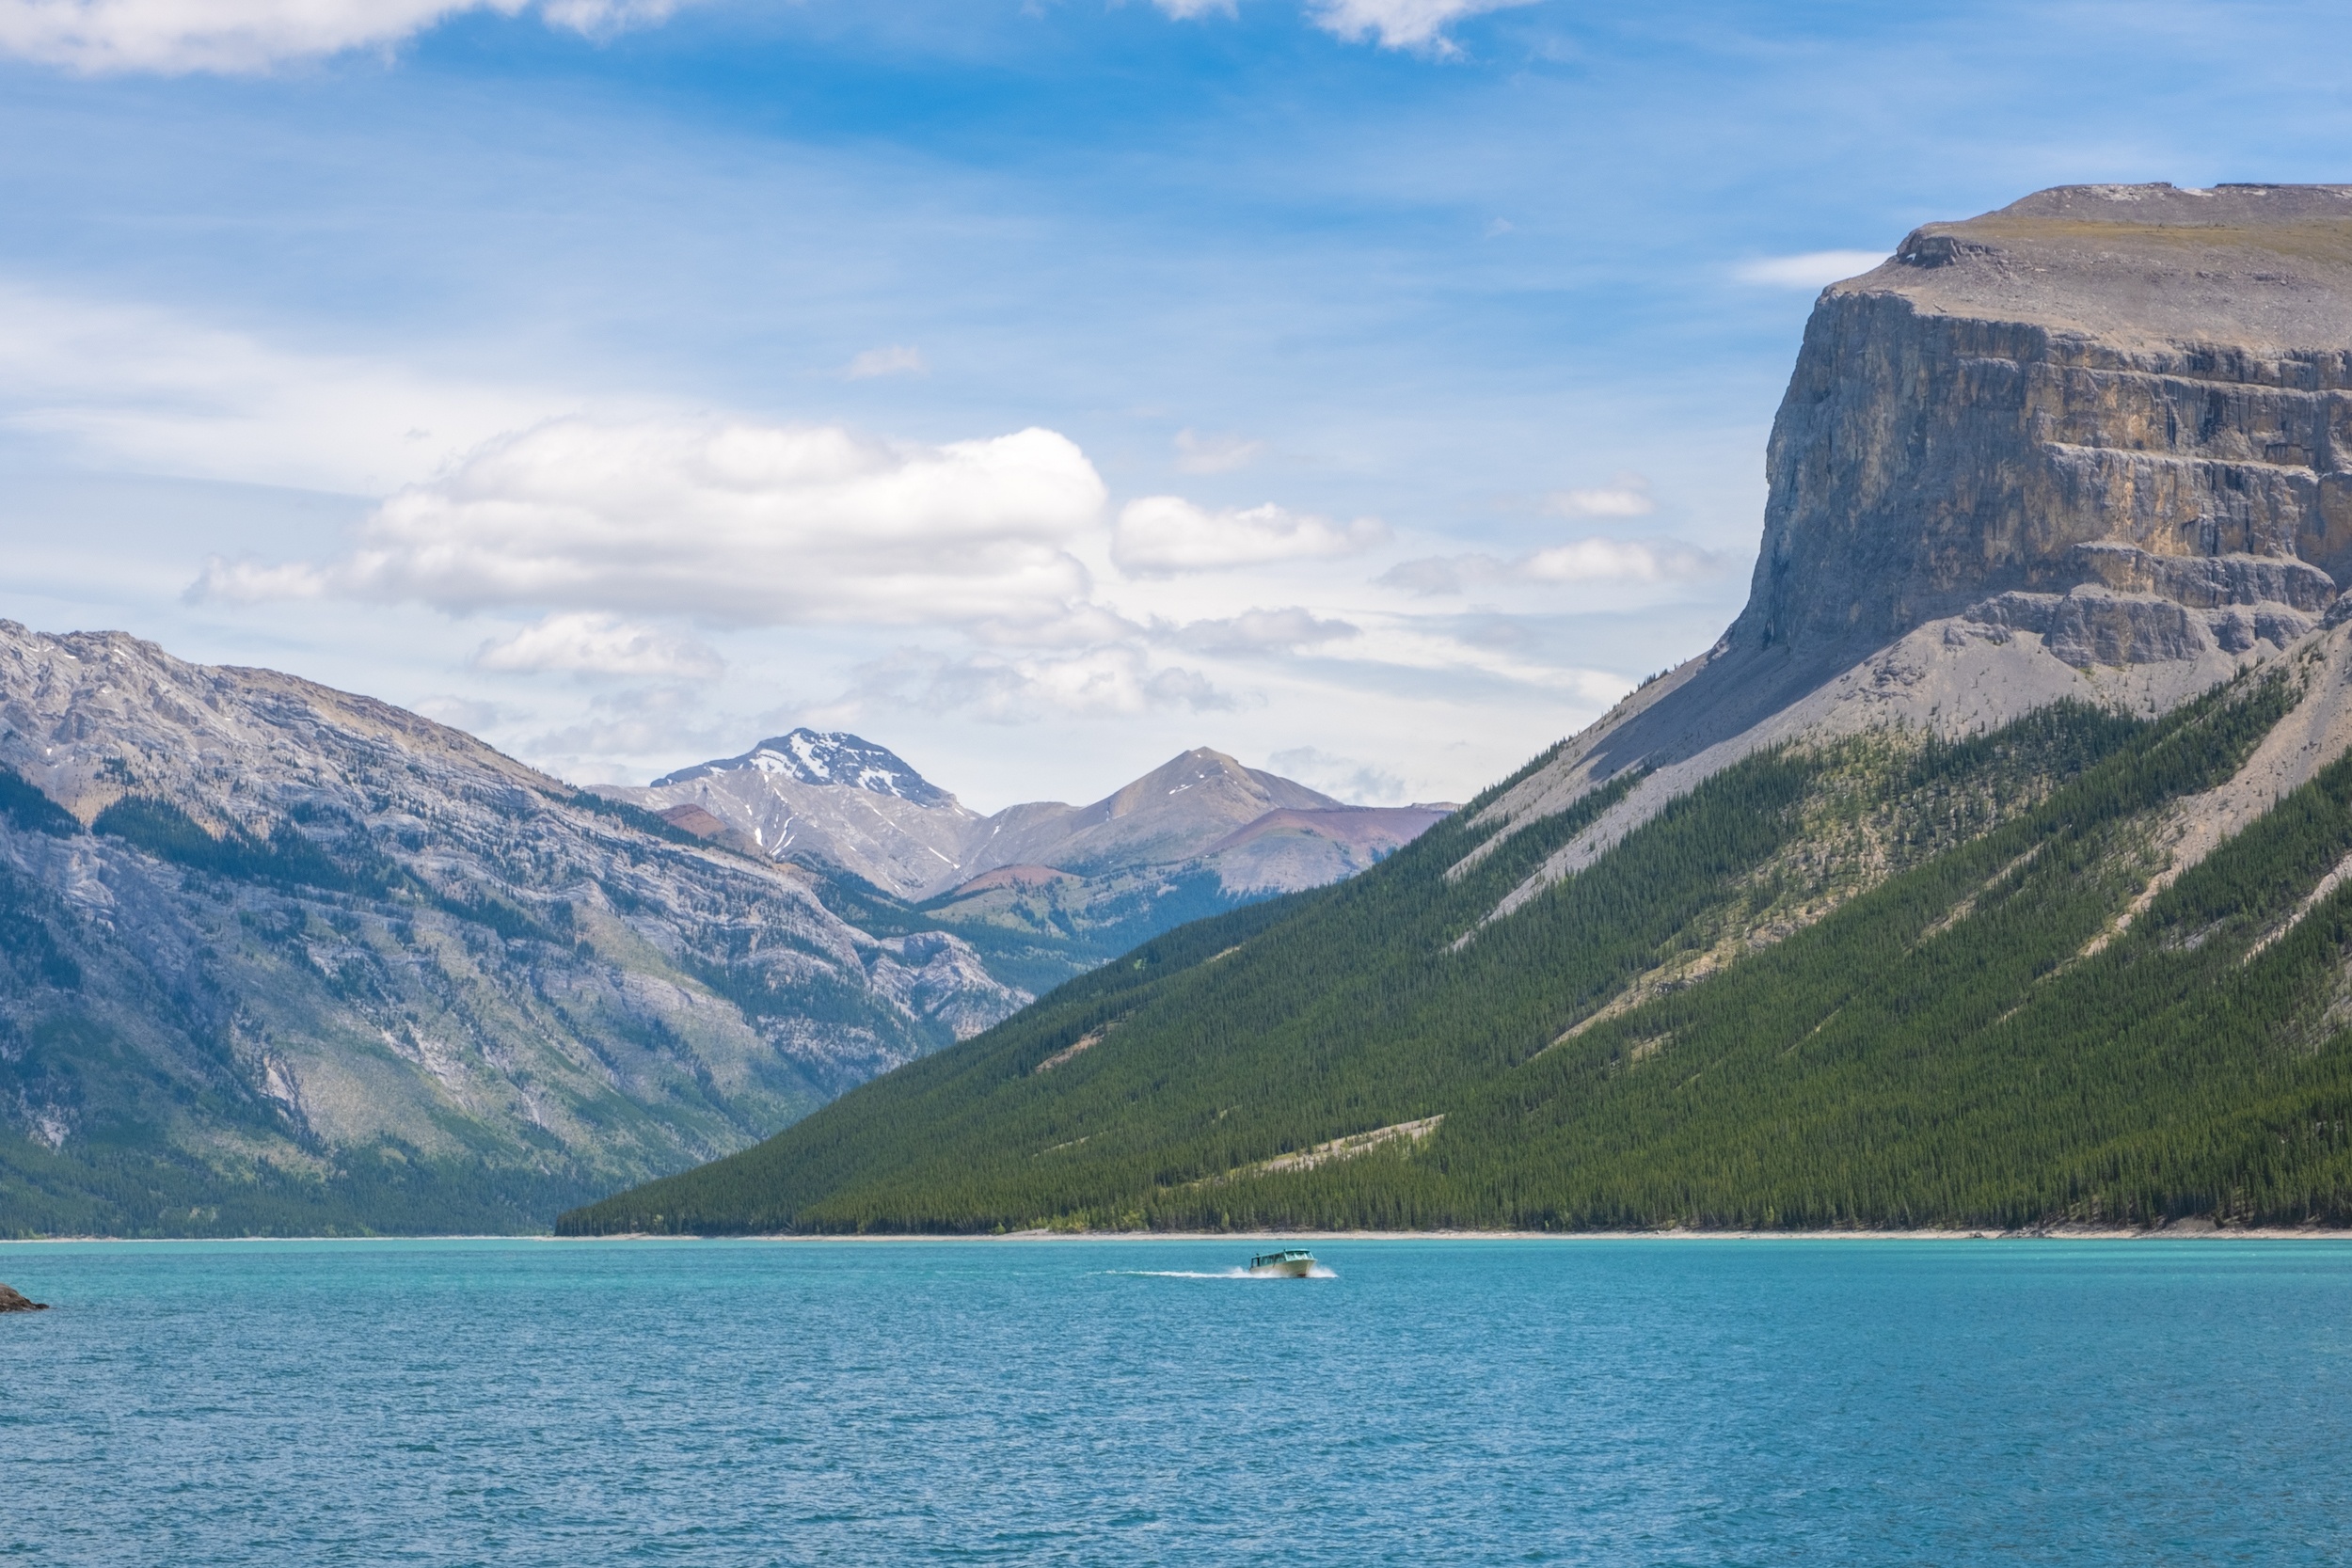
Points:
(1992, 869)
(278, 960)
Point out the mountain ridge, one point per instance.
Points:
(280, 956)
(1994, 868)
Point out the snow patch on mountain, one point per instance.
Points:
(833, 757)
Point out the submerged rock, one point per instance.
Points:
(12, 1300)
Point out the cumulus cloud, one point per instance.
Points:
(734, 522)
(176, 36)
(1196, 454)
(1160, 534)
(1258, 631)
(587, 644)
(1815, 269)
(1114, 681)
(1583, 561)
(1625, 496)
(898, 359)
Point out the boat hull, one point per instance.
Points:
(1287, 1269)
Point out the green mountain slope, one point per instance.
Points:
(1842, 984)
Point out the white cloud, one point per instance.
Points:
(1583, 561)
(470, 714)
(1196, 454)
(1396, 23)
(749, 524)
(1117, 681)
(146, 389)
(1815, 269)
(175, 37)
(1167, 534)
(588, 644)
(1625, 496)
(1357, 782)
(656, 721)
(898, 359)
(1402, 24)
(1258, 631)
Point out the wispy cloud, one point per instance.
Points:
(1095, 683)
(1197, 453)
(1402, 24)
(1351, 780)
(1583, 561)
(241, 36)
(898, 359)
(1814, 269)
(1625, 496)
(152, 390)
(1392, 23)
(1160, 534)
(587, 644)
(1260, 631)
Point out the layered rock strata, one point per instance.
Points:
(2096, 444)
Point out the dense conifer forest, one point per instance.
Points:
(1875, 982)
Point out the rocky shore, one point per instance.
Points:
(12, 1300)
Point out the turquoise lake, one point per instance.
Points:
(1437, 1401)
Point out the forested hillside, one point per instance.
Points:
(1938, 1049)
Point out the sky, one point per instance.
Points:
(1372, 389)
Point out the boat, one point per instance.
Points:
(1291, 1263)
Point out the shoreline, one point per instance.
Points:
(2184, 1231)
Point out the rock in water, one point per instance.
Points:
(12, 1300)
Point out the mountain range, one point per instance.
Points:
(1048, 889)
(279, 958)
(1993, 869)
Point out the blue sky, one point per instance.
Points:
(627, 382)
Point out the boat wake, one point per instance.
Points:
(1318, 1272)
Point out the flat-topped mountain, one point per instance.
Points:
(2096, 445)
(1994, 868)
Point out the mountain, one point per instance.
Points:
(1047, 890)
(1994, 869)
(274, 958)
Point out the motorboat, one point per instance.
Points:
(1289, 1263)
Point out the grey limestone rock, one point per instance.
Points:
(2106, 427)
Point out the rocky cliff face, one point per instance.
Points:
(2097, 444)
(291, 957)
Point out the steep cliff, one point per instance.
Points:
(2095, 445)
(1994, 868)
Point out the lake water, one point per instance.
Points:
(1574, 1402)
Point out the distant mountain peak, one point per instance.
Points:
(833, 757)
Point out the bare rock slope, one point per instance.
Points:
(1198, 835)
(2095, 445)
(278, 956)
